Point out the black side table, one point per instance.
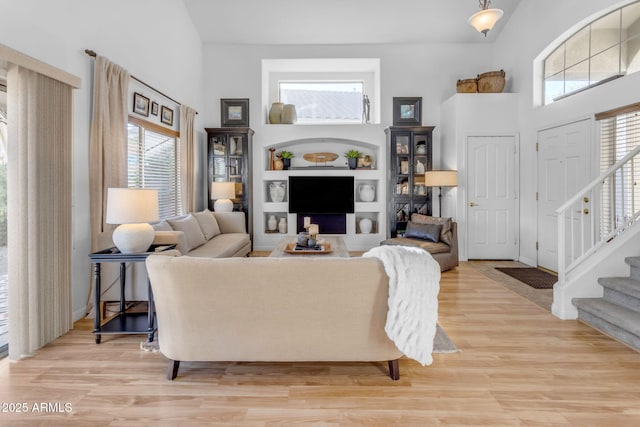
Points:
(124, 323)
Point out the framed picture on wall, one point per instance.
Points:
(166, 115)
(234, 112)
(154, 108)
(140, 104)
(407, 111)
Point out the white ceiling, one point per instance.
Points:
(340, 21)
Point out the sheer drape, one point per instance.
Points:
(39, 209)
(187, 155)
(108, 150)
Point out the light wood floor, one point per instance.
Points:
(519, 365)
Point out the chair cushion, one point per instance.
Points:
(429, 232)
(191, 229)
(208, 223)
(446, 235)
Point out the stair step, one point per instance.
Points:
(612, 319)
(623, 291)
(634, 263)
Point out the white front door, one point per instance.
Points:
(563, 169)
(492, 198)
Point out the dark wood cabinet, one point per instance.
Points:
(411, 154)
(229, 160)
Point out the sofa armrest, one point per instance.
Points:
(171, 237)
(231, 222)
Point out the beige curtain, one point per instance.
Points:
(39, 209)
(108, 149)
(187, 157)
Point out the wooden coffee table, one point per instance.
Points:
(338, 247)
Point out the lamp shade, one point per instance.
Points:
(132, 205)
(485, 19)
(223, 190)
(441, 178)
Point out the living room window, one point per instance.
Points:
(603, 50)
(325, 101)
(153, 162)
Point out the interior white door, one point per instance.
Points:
(563, 169)
(492, 195)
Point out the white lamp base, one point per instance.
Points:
(133, 238)
(223, 205)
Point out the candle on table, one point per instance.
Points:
(313, 229)
(307, 221)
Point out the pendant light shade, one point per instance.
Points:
(485, 19)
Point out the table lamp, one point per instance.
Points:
(222, 192)
(133, 209)
(440, 179)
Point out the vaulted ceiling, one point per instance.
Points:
(341, 21)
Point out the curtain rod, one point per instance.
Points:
(93, 54)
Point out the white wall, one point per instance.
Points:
(153, 39)
(532, 28)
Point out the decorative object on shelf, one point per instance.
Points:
(282, 226)
(133, 209)
(278, 165)
(320, 157)
(366, 225)
(277, 190)
(234, 112)
(421, 148)
(419, 166)
(140, 104)
(486, 18)
(275, 113)
(366, 109)
(441, 179)
(491, 82)
(289, 115)
(467, 86)
(404, 167)
(286, 157)
(407, 111)
(367, 192)
(166, 115)
(272, 223)
(272, 157)
(222, 192)
(352, 157)
(365, 161)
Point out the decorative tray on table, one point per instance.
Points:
(294, 248)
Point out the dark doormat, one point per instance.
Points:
(533, 277)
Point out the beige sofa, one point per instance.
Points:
(438, 236)
(271, 310)
(206, 234)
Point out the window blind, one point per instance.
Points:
(619, 134)
(153, 162)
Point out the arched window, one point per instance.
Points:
(605, 49)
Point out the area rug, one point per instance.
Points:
(534, 277)
(441, 343)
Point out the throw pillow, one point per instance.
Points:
(208, 223)
(191, 229)
(161, 226)
(446, 235)
(429, 232)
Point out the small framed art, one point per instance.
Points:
(407, 111)
(166, 115)
(140, 104)
(154, 108)
(234, 112)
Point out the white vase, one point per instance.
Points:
(272, 223)
(289, 115)
(367, 193)
(366, 225)
(282, 226)
(276, 191)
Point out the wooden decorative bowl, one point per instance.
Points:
(467, 86)
(491, 82)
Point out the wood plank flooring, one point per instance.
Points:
(519, 365)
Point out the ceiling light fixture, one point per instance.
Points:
(484, 20)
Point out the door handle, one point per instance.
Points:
(472, 204)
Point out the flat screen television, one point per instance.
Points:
(321, 194)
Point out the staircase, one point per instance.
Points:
(617, 313)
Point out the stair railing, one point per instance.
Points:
(598, 213)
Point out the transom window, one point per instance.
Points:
(325, 101)
(153, 162)
(605, 49)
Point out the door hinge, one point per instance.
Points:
(537, 146)
(536, 195)
(536, 246)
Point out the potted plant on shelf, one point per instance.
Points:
(286, 157)
(352, 157)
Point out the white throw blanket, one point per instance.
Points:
(414, 283)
